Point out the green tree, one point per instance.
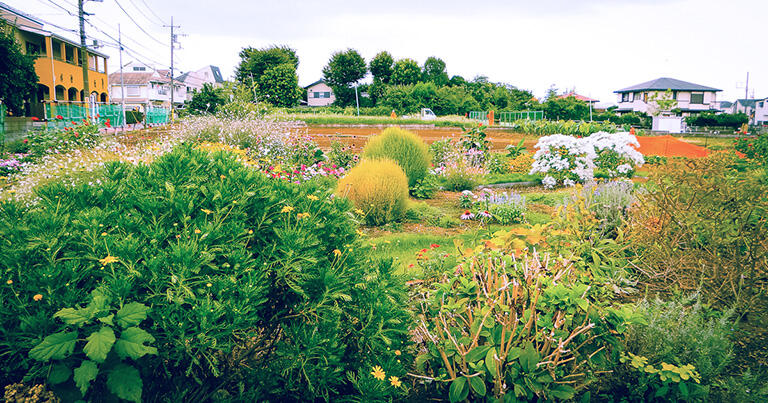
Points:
(405, 72)
(207, 100)
(343, 70)
(662, 102)
(18, 79)
(255, 62)
(279, 86)
(381, 67)
(457, 81)
(434, 71)
(570, 108)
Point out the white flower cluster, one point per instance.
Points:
(568, 159)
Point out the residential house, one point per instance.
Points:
(756, 109)
(690, 97)
(579, 97)
(319, 94)
(194, 80)
(725, 106)
(145, 87)
(57, 63)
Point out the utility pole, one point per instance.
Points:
(173, 43)
(83, 51)
(122, 83)
(746, 88)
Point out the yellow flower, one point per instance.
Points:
(103, 234)
(206, 211)
(378, 373)
(222, 177)
(312, 197)
(37, 297)
(107, 260)
(250, 231)
(209, 285)
(359, 212)
(337, 252)
(360, 233)
(395, 381)
(302, 215)
(397, 352)
(286, 209)
(9, 282)
(197, 231)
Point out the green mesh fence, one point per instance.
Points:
(156, 116)
(507, 118)
(479, 115)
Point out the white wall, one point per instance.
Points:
(320, 88)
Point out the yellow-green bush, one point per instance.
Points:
(378, 188)
(406, 148)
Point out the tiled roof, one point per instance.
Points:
(135, 78)
(665, 83)
(579, 97)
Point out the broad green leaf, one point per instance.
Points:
(57, 346)
(529, 358)
(564, 392)
(131, 314)
(490, 362)
(478, 385)
(514, 353)
(74, 316)
(107, 320)
(477, 353)
(99, 344)
(84, 374)
(125, 382)
(131, 343)
(683, 389)
(59, 373)
(458, 390)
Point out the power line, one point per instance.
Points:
(137, 24)
(142, 13)
(153, 12)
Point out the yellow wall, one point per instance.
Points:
(67, 75)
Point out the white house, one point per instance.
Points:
(319, 94)
(194, 80)
(691, 98)
(756, 109)
(145, 86)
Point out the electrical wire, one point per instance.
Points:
(153, 12)
(137, 24)
(142, 13)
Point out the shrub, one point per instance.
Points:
(342, 155)
(521, 164)
(426, 187)
(254, 286)
(441, 150)
(402, 146)
(498, 164)
(377, 187)
(457, 178)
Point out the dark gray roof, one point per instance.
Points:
(665, 83)
(726, 104)
(748, 102)
(217, 74)
(315, 83)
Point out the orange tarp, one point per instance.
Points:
(669, 146)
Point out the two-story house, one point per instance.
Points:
(690, 98)
(58, 64)
(145, 87)
(756, 109)
(319, 94)
(194, 80)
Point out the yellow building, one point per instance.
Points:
(58, 62)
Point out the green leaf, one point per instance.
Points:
(478, 385)
(72, 316)
(529, 358)
(514, 353)
(477, 353)
(107, 320)
(662, 391)
(131, 314)
(563, 392)
(458, 390)
(490, 362)
(57, 346)
(131, 343)
(87, 372)
(99, 344)
(59, 374)
(683, 389)
(125, 382)
(586, 397)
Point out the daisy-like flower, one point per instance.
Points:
(37, 297)
(467, 215)
(286, 209)
(107, 260)
(337, 252)
(312, 197)
(484, 214)
(395, 381)
(197, 231)
(206, 211)
(378, 373)
(359, 212)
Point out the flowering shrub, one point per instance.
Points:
(569, 160)
(500, 207)
(378, 188)
(521, 164)
(474, 146)
(244, 276)
(753, 147)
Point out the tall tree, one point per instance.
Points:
(434, 71)
(18, 79)
(343, 70)
(255, 62)
(405, 72)
(381, 67)
(207, 100)
(279, 86)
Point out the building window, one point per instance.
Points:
(697, 98)
(326, 95)
(139, 69)
(625, 97)
(315, 95)
(132, 91)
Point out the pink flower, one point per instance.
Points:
(59, 117)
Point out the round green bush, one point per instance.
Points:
(406, 148)
(255, 287)
(378, 188)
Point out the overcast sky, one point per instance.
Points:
(594, 46)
